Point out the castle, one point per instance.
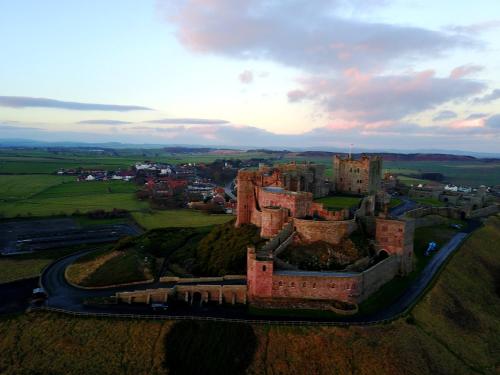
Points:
(280, 200)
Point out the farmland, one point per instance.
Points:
(454, 329)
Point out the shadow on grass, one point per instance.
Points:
(194, 347)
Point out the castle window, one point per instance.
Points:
(280, 283)
(314, 285)
(332, 286)
(304, 285)
(360, 181)
(292, 285)
(400, 230)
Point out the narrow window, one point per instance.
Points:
(264, 268)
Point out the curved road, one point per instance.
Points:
(64, 296)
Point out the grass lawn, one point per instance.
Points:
(25, 266)
(108, 267)
(394, 202)
(69, 197)
(17, 187)
(178, 218)
(429, 202)
(339, 202)
(411, 181)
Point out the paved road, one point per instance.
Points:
(405, 206)
(228, 190)
(64, 296)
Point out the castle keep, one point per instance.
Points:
(361, 176)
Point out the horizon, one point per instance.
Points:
(383, 75)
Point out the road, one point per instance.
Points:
(64, 296)
(228, 190)
(405, 206)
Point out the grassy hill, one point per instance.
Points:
(455, 329)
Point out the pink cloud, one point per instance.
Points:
(465, 70)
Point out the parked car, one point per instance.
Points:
(39, 296)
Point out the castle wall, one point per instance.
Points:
(297, 203)
(376, 276)
(316, 285)
(328, 231)
(272, 220)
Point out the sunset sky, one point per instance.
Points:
(380, 74)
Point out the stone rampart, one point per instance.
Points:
(376, 276)
(486, 211)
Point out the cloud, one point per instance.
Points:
(188, 121)
(465, 70)
(104, 122)
(296, 96)
(493, 122)
(4, 127)
(494, 95)
(310, 35)
(444, 115)
(28, 102)
(368, 98)
(475, 27)
(246, 77)
(475, 116)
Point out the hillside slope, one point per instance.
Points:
(455, 329)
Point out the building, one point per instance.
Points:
(287, 216)
(362, 176)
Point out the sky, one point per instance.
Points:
(378, 74)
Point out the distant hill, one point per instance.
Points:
(397, 156)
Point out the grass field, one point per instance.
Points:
(339, 202)
(108, 267)
(178, 218)
(68, 197)
(429, 202)
(473, 173)
(18, 187)
(26, 266)
(454, 330)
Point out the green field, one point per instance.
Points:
(429, 202)
(178, 218)
(339, 202)
(25, 266)
(473, 173)
(67, 198)
(45, 162)
(17, 187)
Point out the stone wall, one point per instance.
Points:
(317, 285)
(272, 220)
(376, 276)
(328, 231)
(486, 211)
(297, 203)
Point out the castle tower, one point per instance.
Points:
(395, 237)
(362, 176)
(259, 275)
(246, 198)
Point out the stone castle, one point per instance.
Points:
(280, 200)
